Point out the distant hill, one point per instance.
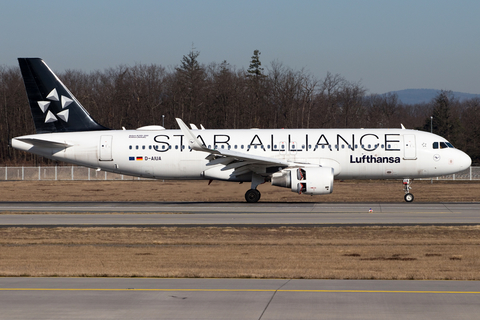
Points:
(413, 96)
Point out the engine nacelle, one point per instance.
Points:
(317, 180)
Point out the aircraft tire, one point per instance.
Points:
(252, 195)
(408, 197)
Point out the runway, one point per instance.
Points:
(239, 214)
(108, 298)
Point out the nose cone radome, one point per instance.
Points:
(463, 160)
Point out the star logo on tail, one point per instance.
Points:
(62, 115)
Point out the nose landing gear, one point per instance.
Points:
(406, 187)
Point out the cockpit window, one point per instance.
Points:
(442, 145)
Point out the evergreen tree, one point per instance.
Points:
(255, 69)
(445, 123)
(191, 80)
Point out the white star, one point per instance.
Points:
(50, 117)
(53, 95)
(63, 115)
(43, 105)
(66, 101)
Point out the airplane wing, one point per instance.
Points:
(241, 162)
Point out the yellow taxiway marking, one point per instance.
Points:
(240, 290)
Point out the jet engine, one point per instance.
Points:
(318, 180)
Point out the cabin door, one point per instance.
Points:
(105, 147)
(409, 147)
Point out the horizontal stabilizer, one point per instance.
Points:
(45, 143)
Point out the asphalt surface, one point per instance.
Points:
(117, 298)
(260, 214)
(133, 298)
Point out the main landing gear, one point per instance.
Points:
(406, 187)
(253, 195)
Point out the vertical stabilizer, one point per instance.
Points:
(53, 106)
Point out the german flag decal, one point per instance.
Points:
(139, 158)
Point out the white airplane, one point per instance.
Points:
(305, 160)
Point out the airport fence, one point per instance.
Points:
(82, 173)
(60, 173)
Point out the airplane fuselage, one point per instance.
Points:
(164, 154)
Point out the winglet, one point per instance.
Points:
(192, 141)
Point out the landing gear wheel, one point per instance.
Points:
(252, 195)
(408, 197)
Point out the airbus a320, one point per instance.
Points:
(304, 160)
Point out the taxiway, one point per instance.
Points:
(117, 298)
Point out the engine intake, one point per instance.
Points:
(318, 180)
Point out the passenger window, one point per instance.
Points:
(130, 147)
(136, 147)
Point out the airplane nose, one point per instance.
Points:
(464, 160)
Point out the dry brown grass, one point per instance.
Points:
(324, 253)
(218, 191)
(283, 252)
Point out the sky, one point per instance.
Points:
(383, 45)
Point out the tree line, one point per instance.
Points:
(219, 95)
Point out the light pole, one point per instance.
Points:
(431, 131)
(163, 120)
